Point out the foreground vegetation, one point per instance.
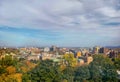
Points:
(102, 69)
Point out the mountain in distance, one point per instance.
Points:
(112, 46)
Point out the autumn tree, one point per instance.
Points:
(11, 70)
(70, 60)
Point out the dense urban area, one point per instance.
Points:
(58, 64)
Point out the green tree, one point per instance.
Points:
(95, 73)
(68, 73)
(82, 74)
(2, 70)
(117, 63)
(46, 71)
(102, 69)
(8, 61)
(26, 77)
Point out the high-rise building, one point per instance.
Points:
(103, 50)
(53, 48)
(96, 50)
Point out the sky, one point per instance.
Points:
(70, 23)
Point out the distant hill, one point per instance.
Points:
(112, 46)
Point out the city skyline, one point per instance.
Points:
(74, 23)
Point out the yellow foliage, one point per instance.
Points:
(71, 60)
(62, 67)
(11, 70)
(18, 76)
(11, 78)
(74, 62)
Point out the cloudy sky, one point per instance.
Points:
(81, 23)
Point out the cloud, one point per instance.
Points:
(67, 19)
(110, 12)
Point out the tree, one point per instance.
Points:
(117, 63)
(26, 77)
(109, 73)
(82, 74)
(11, 78)
(8, 61)
(11, 70)
(95, 73)
(68, 73)
(2, 70)
(102, 69)
(70, 60)
(46, 71)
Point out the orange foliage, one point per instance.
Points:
(24, 69)
(11, 78)
(11, 70)
(30, 65)
(62, 67)
(18, 77)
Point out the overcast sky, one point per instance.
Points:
(80, 23)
